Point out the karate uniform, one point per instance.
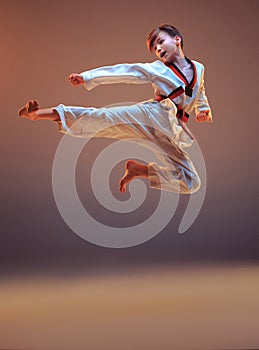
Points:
(152, 123)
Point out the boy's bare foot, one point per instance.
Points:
(28, 110)
(133, 170)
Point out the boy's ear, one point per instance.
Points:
(178, 40)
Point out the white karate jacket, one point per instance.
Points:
(163, 79)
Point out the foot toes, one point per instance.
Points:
(122, 188)
(22, 111)
(32, 106)
(36, 104)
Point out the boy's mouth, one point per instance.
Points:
(162, 54)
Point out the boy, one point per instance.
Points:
(179, 89)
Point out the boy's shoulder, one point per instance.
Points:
(160, 64)
(198, 64)
(161, 67)
(157, 63)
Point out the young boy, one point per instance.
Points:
(159, 124)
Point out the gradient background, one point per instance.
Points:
(197, 290)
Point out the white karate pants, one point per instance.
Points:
(152, 124)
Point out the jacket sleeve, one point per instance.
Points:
(137, 73)
(202, 103)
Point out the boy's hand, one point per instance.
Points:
(203, 116)
(75, 79)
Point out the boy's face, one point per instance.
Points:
(165, 47)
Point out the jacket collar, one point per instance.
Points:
(180, 74)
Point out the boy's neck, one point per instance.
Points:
(180, 60)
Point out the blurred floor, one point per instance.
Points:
(166, 308)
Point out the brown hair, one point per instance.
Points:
(171, 30)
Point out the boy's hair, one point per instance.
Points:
(171, 30)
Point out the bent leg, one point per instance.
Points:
(133, 170)
(178, 173)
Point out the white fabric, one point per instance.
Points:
(151, 123)
(162, 78)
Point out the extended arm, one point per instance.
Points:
(136, 73)
(156, 73)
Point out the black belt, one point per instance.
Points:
(181, 114)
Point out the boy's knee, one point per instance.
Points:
(191, 186)
(196, 184)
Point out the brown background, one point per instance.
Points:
(41, 44)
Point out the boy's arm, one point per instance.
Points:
(137, 73)
(202, 108)
(157, 73)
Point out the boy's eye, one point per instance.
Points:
(159, 42)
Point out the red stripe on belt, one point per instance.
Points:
(180, 113)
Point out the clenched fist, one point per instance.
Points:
(75, 79)
(203, 116)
